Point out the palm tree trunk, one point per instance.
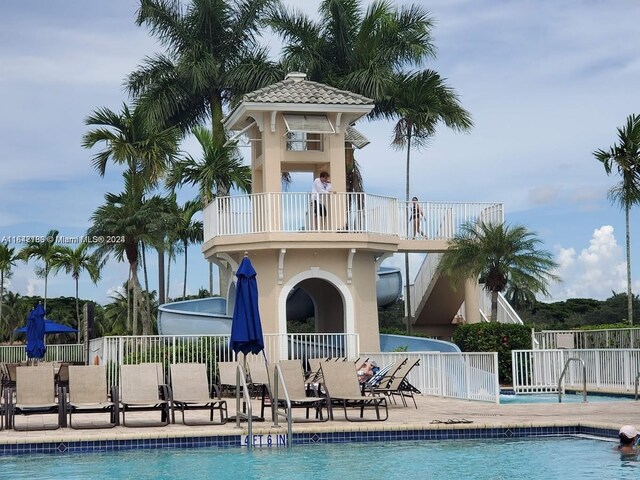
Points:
(494, 306)
(629, 292)
(166, 290)
(406, 255)
(80, 332)
(146, 319)
(46, 278)
(184, 285)
(161, 297)
(210, 279)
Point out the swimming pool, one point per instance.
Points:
(534, 458)
(568, 397)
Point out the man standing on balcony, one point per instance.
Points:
(321, 186)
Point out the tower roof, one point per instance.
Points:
(296, 94)
(296, 89)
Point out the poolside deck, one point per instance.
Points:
(432, 414)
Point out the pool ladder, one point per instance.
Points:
(584, 378)
(241, 381)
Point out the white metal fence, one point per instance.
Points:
(585, 339)
(466, 376)
(538, 371)
(354, 212)
(209, 349)
(72, 353)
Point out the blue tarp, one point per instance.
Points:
(246, 329)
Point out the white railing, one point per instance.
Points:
(582, 339)
(73, 353)
(351, 212)
(536, 371)
(506, 313)
(441, 221)
(467, 376)
(423, 279)
(209, 349)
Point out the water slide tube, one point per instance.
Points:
(212, 316)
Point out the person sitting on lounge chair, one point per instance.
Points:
(367, 370)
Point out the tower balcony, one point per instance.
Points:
(362, 220)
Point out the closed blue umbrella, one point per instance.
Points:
(246, 329)
(35, 333)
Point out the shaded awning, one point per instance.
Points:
(296, 122)
(355, 138)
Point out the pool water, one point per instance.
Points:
(532, 458)
(566, 398)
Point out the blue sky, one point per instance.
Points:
(547, 83)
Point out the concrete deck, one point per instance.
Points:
(432, 414)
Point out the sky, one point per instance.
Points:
(546, 81)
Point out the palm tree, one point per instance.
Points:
(624, 157)
(498, 254)
(356, 50)
(188, 231)
(211, 55)
(44, 250)
(218, 170)
(130, 140)
(420, 102)
(126, 216)
(353, 49)
(8, 259)
(74, 262)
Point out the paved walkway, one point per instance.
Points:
(432, 413)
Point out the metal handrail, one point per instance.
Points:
(242, 381)
(584, 378)
(278, 380)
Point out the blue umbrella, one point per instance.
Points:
(246, 329)
(35, 333)
(50, 327)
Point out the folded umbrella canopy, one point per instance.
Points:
(246, 329)
(35, 333)
(50, 327)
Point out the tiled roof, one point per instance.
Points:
(357, 139)
(297, 90)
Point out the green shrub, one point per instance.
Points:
(494, 337)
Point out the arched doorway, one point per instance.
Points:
(315, 306)
(332, 302)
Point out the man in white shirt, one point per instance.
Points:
(321, 186)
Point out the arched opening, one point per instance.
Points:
(331, 300)
(315, 305)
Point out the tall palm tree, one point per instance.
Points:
(74, 262)
(129, 139)
(127, 216)
(8, 258)
(219, 169)
(211, 54)
(355, 49)
(624, 158)
(498, 254)
(419, 103)
(44, 250)
(188, 231)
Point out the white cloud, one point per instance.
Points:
(595, 272)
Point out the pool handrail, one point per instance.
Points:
(278, 380)
(241, 381)
(584, 378)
